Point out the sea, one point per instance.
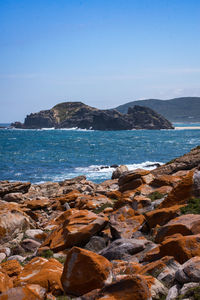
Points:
(58, 154)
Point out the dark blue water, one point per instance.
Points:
(54, 155)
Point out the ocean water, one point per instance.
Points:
(55, 155)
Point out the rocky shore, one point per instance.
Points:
(136, 236)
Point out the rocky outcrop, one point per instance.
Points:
(77, 114)
(186, 162)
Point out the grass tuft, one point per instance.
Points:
(193, 207)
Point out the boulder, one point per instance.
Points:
(185, 225)
(123, 222)
(173, 293)
(76, 227)
(123, 249)
(122, 267)
(30, 245)
(163, 269)
(162, 216)
(34, 234)
(84, 271)
(7, 187)
(131, 180)
(30, 291)
(11, 267)
(12, 220)
(119, 171)
(37, 204)
(181, 248)
(14, 197)
(5, 282)
(180, 193)
(96, 244)
(46, 273)
(189, 271)
(165, 180)
(141, 202)
(128, 288)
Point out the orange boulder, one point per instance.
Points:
(12, 219)
(46, 273)
(76, 226)
(124, 222)
(180, 193)
(162, 180)
(11, 267)
(130, 180)
(84, 271)
(181, 248)
(162, 216)
(28, 292)
(5, 282)
(128, 288)
(185, 225)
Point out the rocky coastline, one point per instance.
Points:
(80, 115)
(136, 236)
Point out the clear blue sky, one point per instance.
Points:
(101, 52)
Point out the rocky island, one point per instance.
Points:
(80, 115)
(134, 237)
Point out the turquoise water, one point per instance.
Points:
(54, 155)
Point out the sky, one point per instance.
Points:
(101, 52)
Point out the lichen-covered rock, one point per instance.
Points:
(185, 225)
(76, 227)
(165, 180)
(7, 187)
(180, 193)
(123, 222)
(28, 292)
(163, 269)
(131, 180)
(5, 282)
(11, 267)
(84, 271)
(46, 273)
(129, 288)
(12, 220)
(181, 248)
(161, 216)
(189, 271)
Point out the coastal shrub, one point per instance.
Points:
(193, 293)
(155, 196)
(192, 207)
(47, 253)
(62, 298)
(103, 206)
(61, 259)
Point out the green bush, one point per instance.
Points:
(193, 207)
(47, 253)
(155, 196)
(193, 293)
(101, 208)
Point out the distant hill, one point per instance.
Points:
(186, 109)
(80, 115)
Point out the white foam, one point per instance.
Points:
(100, 172)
